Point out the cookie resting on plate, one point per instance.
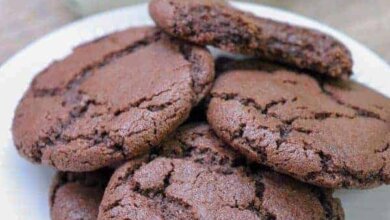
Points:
(329, 133)
(111, 99)
(216, 23)
(196, 176)
(76, 196)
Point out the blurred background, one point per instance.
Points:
(23, 21)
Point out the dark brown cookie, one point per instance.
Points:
(203, 179)
(111, 99)
(76, 196)
(215, 22)
(331, 135)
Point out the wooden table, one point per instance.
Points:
(22, 21)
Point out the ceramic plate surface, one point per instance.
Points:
(24, 187)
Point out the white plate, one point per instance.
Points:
(24, 187)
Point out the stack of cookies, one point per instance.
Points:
(147, 124)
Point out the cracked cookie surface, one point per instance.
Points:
(196, 176)
(215, 22)
(111, 99)
(76, 196)
(329, 134)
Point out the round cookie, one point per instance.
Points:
(201, 178)
(215, 22)
(111, 99)
(331, 135)
(77, 196)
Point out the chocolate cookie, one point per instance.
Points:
(77, 196)
(215, 22)
(111, 99)
(328, 134)
(203, 179)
